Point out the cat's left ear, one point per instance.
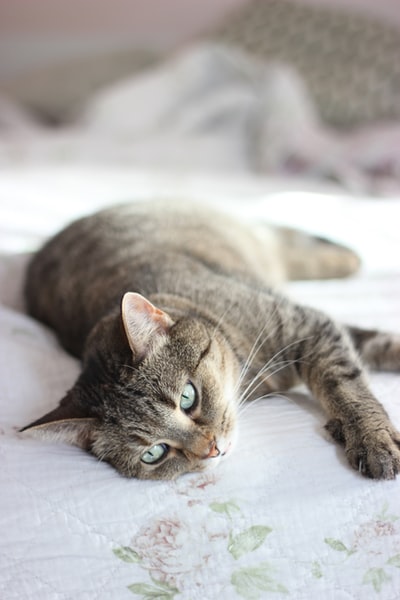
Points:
(144, 323)
(65, 424)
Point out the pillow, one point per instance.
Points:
(350, 62)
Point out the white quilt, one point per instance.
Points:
(283, 517)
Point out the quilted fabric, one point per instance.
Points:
(284, 516)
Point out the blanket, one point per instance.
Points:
(283, 517)
(210, 107)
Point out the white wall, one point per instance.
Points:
(42, 32)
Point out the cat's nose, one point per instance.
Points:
(213, 450)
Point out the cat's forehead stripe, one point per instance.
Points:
(204, 353)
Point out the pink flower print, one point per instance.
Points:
(175, 553)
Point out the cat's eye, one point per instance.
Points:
(154, 454)
(188, 397)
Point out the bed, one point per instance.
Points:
(284, 516)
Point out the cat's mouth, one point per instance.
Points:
(219, 450)
(227, 450)
(224, 449)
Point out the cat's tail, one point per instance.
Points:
(378, 349)
(311, 257)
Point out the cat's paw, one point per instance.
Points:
(374, 452)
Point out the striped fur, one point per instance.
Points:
(152, 297)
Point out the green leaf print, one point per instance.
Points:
(252, 581)
(376, 577)
(248, 540)
(338, 546)
(127, 554)
(385, 516)
(394, 561)
(316, 570)
(165, 586)
(227, 508)
(150, 592)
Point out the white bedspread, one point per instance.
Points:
(284, 516)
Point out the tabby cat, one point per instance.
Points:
(171, 309)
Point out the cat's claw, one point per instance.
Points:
(380, 460)
(375, 453)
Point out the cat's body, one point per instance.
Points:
(172, 312)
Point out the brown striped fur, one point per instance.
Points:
(155, 297)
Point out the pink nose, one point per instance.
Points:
(214, 451)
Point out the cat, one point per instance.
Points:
(174, 312)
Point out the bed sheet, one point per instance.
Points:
(284, 516)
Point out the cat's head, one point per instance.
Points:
(156, 395)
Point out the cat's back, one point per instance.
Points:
(143, 230)
(151, 247)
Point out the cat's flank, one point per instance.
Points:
(172, 312)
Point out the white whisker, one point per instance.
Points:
(252, 355)
(257, 345)
(222, 317)
(260, 378)
(244, 408)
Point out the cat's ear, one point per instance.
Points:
(64, 424)
(143, 322)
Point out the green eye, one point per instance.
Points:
(188, 397)
(155, 454)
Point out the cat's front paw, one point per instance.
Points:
(373, 451)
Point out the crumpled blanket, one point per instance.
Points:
(210, 108)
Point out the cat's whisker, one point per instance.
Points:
(221, 318)
(261, 374)
(285, 348)
(130, 367)
(249, 389)
(251, 357)
(278, 367)
(259, 343)
(270, 364)
(245, 408)
(248, 405)
(101, 456)
(244, 397)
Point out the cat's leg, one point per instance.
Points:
(326, 360)
(310, 257)
(379, 350)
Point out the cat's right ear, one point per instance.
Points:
(145, 325)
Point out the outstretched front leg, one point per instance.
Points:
(326, 359)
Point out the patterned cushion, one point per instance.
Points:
(351, 63)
